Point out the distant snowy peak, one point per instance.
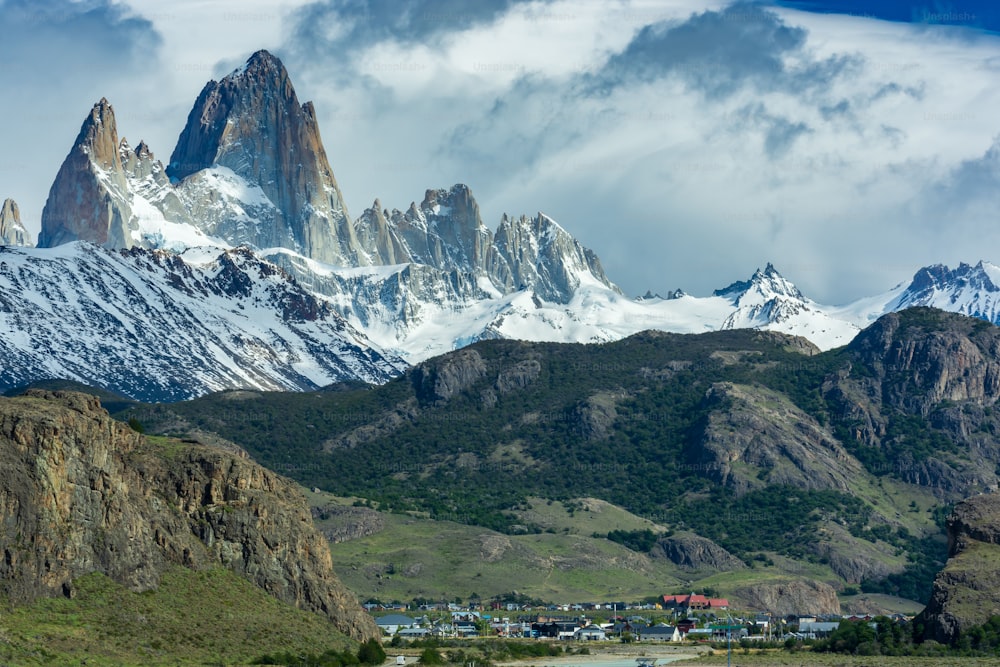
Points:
(763, 286)
(970, 290)
(770, 301)
(12, 231)
(539, 254)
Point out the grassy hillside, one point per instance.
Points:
(208, 617)
(413, 557)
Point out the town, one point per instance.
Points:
(672, 618)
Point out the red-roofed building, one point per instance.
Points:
(694, 602)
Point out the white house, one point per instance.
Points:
(660, 633)
(590, 633)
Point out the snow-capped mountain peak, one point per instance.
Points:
(238, 265)
(967, 289)
(763, 286)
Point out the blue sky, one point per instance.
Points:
(978, 14)
(687, 142)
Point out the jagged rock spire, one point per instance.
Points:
(251, 122)
(12, 232)
(89, 199)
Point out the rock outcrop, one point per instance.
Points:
(12, 231)
(693, 552)
(440, 379)
(782, 598)
(967, 591)
(251, 124)
(754, 436)
(928, 365)
(82, 493)
(924, 357)
(341, 524)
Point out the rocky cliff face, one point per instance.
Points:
(925, 357)
(12, 231)
(83, 493)
(89, 199)
(790, 597)
(693, 552)
(925, 364)
(444, 231)
(754, 437)
(252, 124)
(967, 591)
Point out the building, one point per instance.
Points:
(660, 633)
(590, 633)
(692, 602)
(817, 629)
(728, 631)
(393, 623)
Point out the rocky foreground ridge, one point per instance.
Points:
(83, 493)
(967, 591)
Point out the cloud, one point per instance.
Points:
(719, 52)
(57, 58)
(101, 34)
(686, 149)
(977, 14)
(966, 199)
(332, 24)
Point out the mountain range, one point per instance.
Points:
(237, 264)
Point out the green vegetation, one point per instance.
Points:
(781, 517)
(371, 653)
(419, 559)
(206, 617)
(636, 540)
(627, 423)
(926, 556)
(294, 659)
(886, 637)
(430, 656)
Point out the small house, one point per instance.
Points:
(590, 633)
(660, 633)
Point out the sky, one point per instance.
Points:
(686, 142)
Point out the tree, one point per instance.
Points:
(430, 656)
(371, 653)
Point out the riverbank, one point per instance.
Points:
(807, 659)
(615, 655)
